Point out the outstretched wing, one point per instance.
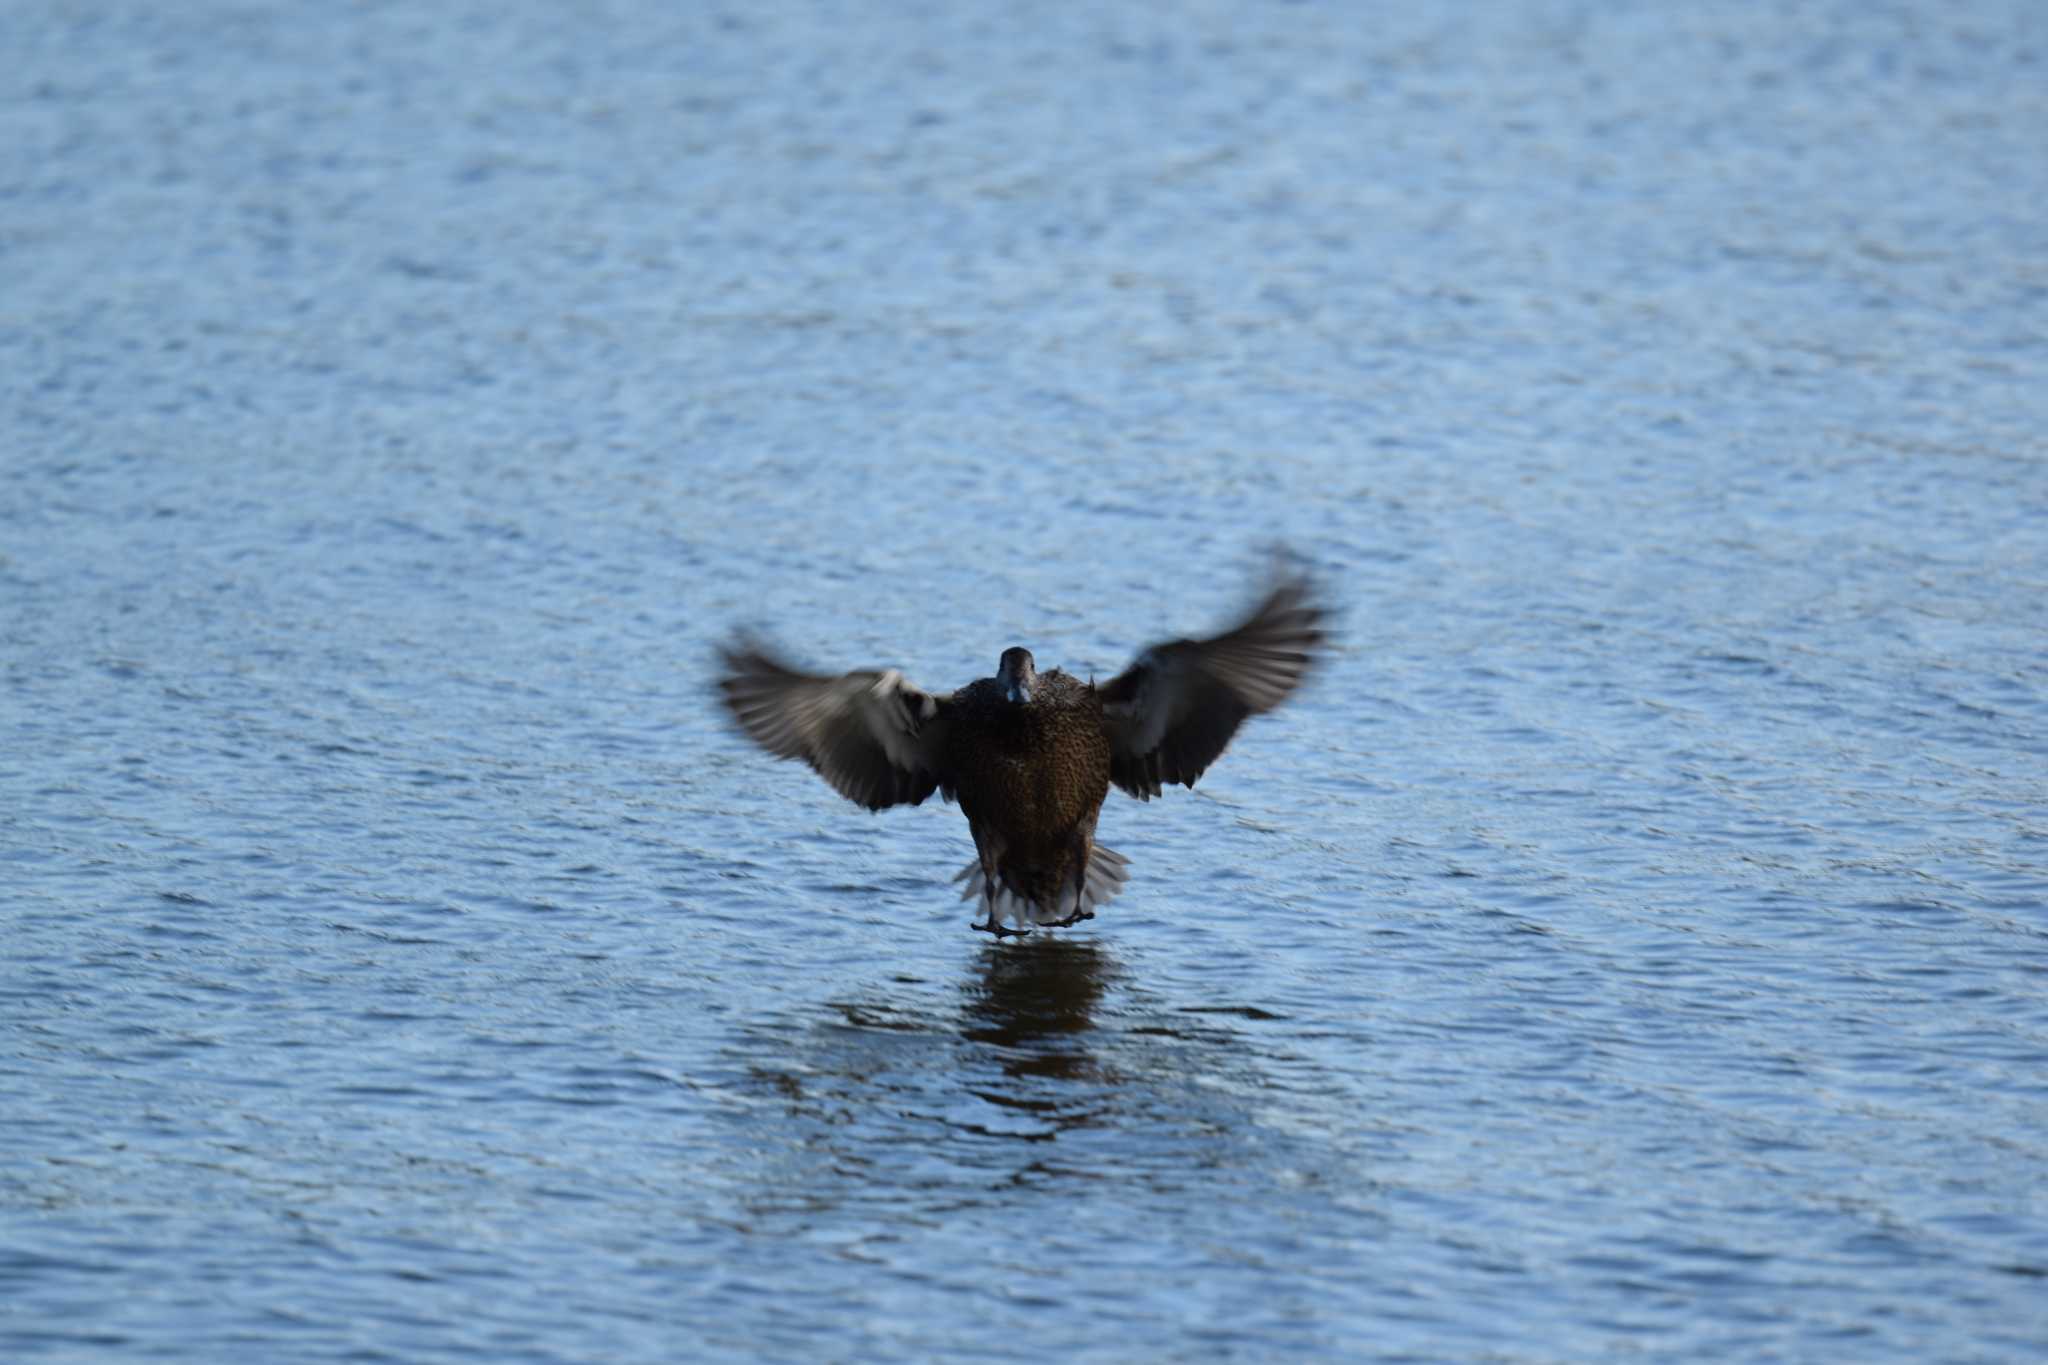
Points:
(871, 734)
(1171, 713)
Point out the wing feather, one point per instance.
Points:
(1174, 710)
(871, 734)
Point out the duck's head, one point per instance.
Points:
(1017, 674)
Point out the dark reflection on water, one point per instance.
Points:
(1020, 1135)
(1027, 1048)
(1034, 997)
(1009, 1054)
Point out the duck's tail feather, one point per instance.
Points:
(1108, 870)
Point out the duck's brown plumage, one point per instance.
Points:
(1030, 778)
(1030, 756)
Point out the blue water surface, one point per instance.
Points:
(1633, 941)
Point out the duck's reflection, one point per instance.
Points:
(952, 1091)
(1036, 1003)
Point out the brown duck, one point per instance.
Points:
(1029, 755)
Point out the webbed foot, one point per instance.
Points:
(999, 929)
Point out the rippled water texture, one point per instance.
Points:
(1631, 942)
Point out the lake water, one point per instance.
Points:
(1634, 940)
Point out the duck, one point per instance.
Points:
(1029, 756)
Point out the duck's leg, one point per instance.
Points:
(994, 925)
(989, 882)
(1082, 852)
